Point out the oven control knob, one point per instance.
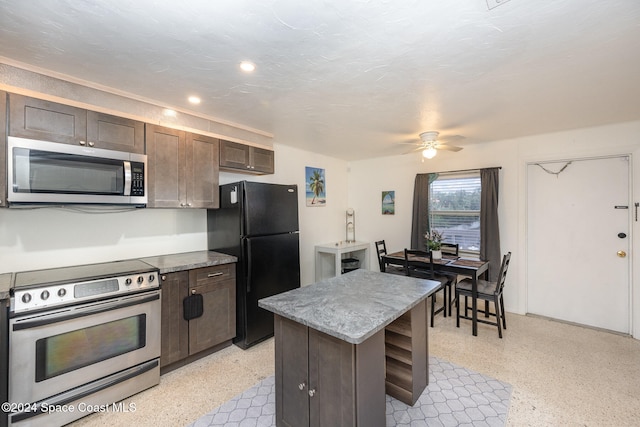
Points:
(152, 278)
(128, 281)
(140, 279)
(62, 292)
(26, 298)
(44, 295)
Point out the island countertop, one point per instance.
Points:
(353, 306)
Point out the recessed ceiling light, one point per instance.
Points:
(194, 100)
(170, 113)
(247, 66)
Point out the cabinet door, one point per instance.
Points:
(331, 375)
(262, 161)
(115, 133)
(292, 372)
(45, 120)
(234, 155)
(217, 324)
(165, 160)
(3, 148)
(202, 169)
(174, 329)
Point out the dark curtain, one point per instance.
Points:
(420, 220)
(489, 230)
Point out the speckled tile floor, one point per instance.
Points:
(560, 375)
(454, 397)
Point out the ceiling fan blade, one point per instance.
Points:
(451, 138)
(410, 141)
(414, 150)
(448, 147)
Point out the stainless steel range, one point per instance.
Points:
(80, 339)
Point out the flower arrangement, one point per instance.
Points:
(434, 240)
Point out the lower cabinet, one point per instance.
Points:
(186, 336)
(324, 381)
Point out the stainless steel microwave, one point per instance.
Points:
(41, 172)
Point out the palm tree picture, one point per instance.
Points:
(315, 186)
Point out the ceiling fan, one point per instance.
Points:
(429, 144)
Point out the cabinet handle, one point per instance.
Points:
(83, 143)
(302, 385)
(312, 392)
(91, 144)
(219, 273)
(163, 278)
(193, 291)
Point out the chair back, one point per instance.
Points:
(381, 250)
(502, 276)
(408, 268)
(450, 248)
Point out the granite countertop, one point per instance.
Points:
(353, 306)
(188, 260)
(5, 285)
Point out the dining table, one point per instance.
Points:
(469, 267)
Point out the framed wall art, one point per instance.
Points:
(315, 186)
(388, 203)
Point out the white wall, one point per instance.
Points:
(44, 238)
(368, 178)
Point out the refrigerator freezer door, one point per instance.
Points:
(270, 208)
(272, 267)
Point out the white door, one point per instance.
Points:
(577, 237)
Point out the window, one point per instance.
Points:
(454, 209)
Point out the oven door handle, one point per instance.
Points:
(59, 317)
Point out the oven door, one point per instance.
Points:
(55, 351)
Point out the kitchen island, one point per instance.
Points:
(340, 343)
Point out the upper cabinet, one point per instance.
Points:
(182, 169)
(235, 157)
(3, 148)
(45, 120)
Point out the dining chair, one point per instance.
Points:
(454, 250)
(427, 272)
(489, 292)
(381, 250)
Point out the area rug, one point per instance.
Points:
(455, 396)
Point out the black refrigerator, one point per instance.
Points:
(257, 223)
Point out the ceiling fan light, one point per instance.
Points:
(429, 153)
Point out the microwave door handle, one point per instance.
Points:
(127, 178)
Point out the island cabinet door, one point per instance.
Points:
(292, 373)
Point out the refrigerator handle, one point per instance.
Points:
(248, 257)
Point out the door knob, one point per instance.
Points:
(622, 254)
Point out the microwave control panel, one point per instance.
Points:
(137, 179)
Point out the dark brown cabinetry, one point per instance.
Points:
(3, 148)
(243, 158)
(45, 120)
(322, 380)
(183, 169)
(186, 340)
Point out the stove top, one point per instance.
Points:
(58, 287)
(79, 273)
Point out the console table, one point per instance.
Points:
(342, 342)
(329, 257)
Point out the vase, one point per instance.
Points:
(436, 254)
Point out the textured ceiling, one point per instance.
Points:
(350, 78)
